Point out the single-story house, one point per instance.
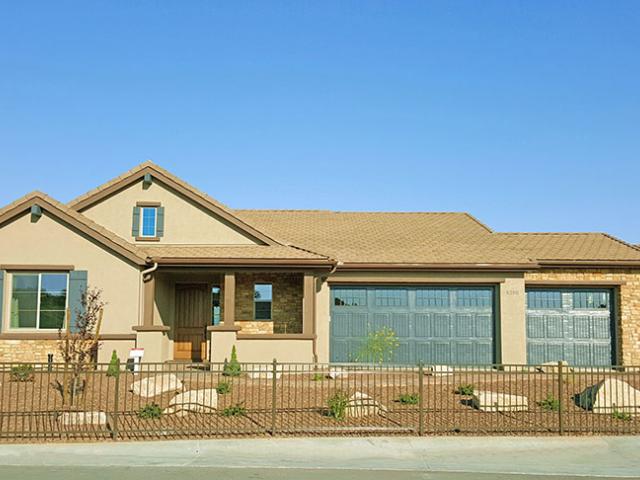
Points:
(186, 278)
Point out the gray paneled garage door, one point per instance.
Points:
(575, 325)
(434, 325)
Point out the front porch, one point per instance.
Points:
(195, 314)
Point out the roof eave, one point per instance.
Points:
(276, 263)
(437, 266)
(589, 263)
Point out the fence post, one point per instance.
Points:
(274, 385)
(560, 418)
(420, 399)
(114, 415)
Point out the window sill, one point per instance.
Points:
(147, 239)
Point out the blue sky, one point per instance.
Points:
(526, 114)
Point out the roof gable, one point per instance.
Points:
(201, 199)
(76, 220)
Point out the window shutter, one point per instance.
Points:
(1, 296)
(135, 226)
(160, 222)
(77, 287)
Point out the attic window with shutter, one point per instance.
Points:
(148, 221)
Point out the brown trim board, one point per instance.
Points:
(38, 268)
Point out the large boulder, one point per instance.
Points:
(156, 385)
(264, 371)
(337, 372)
(197, 401)
(439, 370)
(499, 402)
(362, 405)
(610, 395)
(76, 419)
(552, 367)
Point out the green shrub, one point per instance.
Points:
(22, 373)
(379, 346)
(236, 410)
(549, 404)
(223, 387)
(114, 366)
(409, 398)
(317, 377)
(149, 411)
(338, 404)
(232, 368)
(624, 416)
(466, 389)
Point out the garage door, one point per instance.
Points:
(575, 325)
(434, 325)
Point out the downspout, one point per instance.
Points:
(145, 276)
(147, 273)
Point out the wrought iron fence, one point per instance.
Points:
(56, 401)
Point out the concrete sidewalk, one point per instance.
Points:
(581, 456)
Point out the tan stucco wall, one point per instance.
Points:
(628, 304)
(49, 242)
(260, 351)
(185, 222)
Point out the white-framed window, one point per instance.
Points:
(262, 300)
(39, 300)
(148, 221)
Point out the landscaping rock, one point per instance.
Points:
(265, 371)
(75, 419)
(197, 401)
(552, 367)
(439, 370)
(362, 405)
(610, 395)
(156, 385)
(499, 402)
(336, 373)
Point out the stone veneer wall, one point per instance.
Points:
(628, 308)
(28, 350)
(286, 307)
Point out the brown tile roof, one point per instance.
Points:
(431, 238)
(388, 238)
(65, 213)
(575, 247)
(266, 252)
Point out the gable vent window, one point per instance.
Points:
(148, 222)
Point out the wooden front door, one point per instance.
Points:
(193, 312)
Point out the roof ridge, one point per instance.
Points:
(364, 212)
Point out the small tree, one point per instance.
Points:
(77, 347)
(114, 366)
(232, 368)
(379, 346)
